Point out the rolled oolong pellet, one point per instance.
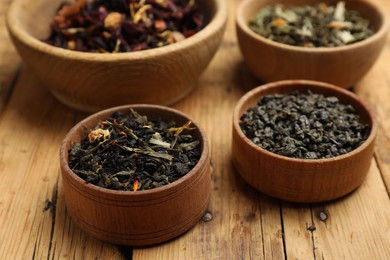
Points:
(307, 126)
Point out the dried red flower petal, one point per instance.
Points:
(124, 25)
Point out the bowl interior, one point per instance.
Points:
(250, 100)
(368, 10)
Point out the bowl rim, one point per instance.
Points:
(217, 21)
(139, 193)
(279, 85)
(242, 24)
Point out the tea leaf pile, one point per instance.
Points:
(309, 126)
(112, 26)
(129, 152)
(311, 26)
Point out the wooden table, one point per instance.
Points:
(246, 224)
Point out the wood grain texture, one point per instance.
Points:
(32, 210)
(139, 218)
(334, 230)
(319, 179)
(34, 223)
(9, 60)
(282, 61)
(375, 89)
(93, 81)
(343, 235)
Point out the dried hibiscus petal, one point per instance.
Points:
(124, 25)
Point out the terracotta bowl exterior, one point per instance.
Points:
(301, 180)
(143, 217)
(95, 81)
(342, 66)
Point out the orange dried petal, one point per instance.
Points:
(323, 7)
(279, 22)
(336, 25)
(160, 25)
(135, 185)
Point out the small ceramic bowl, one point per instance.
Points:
(95, 81)
(143, 217)
(301, 180)
(342, 66)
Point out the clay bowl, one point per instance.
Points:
(143, 217)
(91, 82)
(301, 180)
(342, 66)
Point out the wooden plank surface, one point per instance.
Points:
(245, 224)
(375, 90)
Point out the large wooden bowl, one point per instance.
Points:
(343, 66)
(91, 82)
(301, 180)
(143, 217)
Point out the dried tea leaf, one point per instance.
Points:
(157, 140)
(189, 146)
(345, 36)
(288, 15)
(339, 13)
(139, 118)
(126, 148)
(311, 26)
(148, 152)
(178, 130)
(141, 13)
(74, 149)
(123, 173)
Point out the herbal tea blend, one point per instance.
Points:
(309, 126)
(311, 26)
(130, 152)
(124, 25)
